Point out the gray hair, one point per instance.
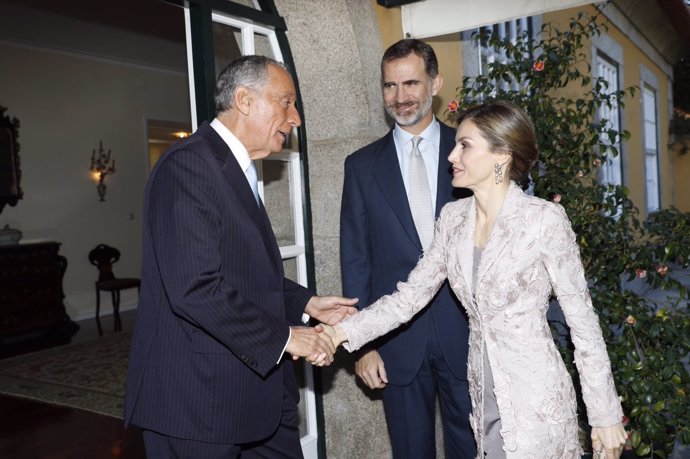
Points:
(248, 71)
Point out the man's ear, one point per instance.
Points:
(436, 84)
(243, 99)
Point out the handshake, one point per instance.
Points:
(318, 344)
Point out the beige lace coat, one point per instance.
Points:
(530, 254)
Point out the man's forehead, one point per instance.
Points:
(404, 67)
(280, 82)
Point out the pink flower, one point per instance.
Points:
(640, 273)
(661, 269)
(453, 106)
(556, 198)
(597, 162)
(538, 66)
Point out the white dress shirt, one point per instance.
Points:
(428, 147)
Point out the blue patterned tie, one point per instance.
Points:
(253, 179)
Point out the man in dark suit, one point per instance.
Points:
(207, 377)
(381, 240)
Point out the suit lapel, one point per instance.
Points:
(465, 245)
(270, 239)
(444, 191)
(502, 232)
(238, 181)
(387, 175)
(239, 185)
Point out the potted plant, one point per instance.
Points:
(632, 265)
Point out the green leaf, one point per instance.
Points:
(643, 450)
(635, 439)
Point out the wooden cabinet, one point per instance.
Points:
(31, 295)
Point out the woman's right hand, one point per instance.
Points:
(336, 333)
(608, 442)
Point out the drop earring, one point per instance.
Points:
(498, 173)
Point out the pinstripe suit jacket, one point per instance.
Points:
(215, 308)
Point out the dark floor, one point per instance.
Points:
(36, 430)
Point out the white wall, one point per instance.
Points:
(66, 102)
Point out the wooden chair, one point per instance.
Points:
(103, 257)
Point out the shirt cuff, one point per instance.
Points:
(305, 320)
(280, 357)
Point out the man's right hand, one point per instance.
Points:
(370, 368)
(317, 348)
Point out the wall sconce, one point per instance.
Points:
(101, 165)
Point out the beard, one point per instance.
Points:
(414, 117)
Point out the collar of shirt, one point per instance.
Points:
(429, 149)
(238, 150)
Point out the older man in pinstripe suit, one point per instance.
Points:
(206, 374)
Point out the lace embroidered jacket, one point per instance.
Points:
(531, 253)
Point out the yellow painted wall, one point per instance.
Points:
(633, 58)
(390, 23)
(681, 169)
(448, 49)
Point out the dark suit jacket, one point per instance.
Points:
(379, 246)
(215, 308)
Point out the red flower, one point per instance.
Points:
(640, 273)
(597, 162)
(453, 106)
(662, 269)
(538, 66)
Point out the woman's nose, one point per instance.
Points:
(454, 154)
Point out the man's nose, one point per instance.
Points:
(400, 93)
(293, 117)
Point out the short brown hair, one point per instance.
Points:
(506, 126)
(407, 46)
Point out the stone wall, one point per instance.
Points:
(337, 49)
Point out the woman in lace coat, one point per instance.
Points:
(504, 253)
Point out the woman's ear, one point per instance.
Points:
(503, 157)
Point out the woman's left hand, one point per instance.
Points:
(608, 442)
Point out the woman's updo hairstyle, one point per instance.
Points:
(505, 126)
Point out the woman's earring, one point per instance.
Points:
(498, 173)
